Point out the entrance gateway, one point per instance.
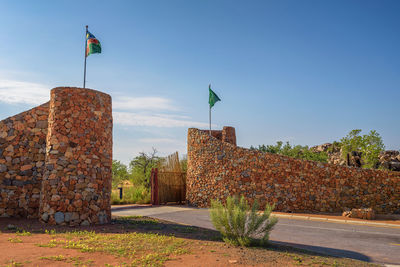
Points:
(168, 182)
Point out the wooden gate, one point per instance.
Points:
(168, 182)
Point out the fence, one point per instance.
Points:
(168, 182)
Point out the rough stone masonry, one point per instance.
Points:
(55, 159)
(218, 168)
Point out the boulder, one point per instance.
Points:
(59, 217)
(362, 213)
(45, 216)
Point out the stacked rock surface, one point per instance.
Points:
(22, 156)
(217, 169)
(55, 160)
(76, 187)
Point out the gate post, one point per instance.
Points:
(154, 186)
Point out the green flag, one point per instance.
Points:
(213, 98)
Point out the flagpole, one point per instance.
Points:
(210, 119)
(84, 70)
(212, 99)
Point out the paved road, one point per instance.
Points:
(367, 243)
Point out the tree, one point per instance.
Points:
(183, 163)
(296, 151)
(141, 166)
(274, 149)
(119, 172)
(370, 145)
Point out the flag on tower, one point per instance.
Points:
(92, 44)
(212, 98)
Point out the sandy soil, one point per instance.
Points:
(204, 248)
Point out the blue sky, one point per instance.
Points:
(307, 72)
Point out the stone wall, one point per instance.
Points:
(55, 160)
(227, 134)
(76, 187)
(217, 169)
(22, 155)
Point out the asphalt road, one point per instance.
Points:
(367, 243)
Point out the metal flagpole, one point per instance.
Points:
(84, 70)
(209, 87)
(210, 119)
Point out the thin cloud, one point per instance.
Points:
(126, 153)
(20, 92)
(17, 92)
(174, 116)
(160, 140)
(136, 119)
(143, 103)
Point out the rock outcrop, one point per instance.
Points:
(388, 160)
(363, 213)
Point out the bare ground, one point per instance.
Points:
(139, 241)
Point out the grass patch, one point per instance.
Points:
(131, 195)
(297, 260)
(76, 261)
(133, 246)
(136, 220)
(51, 244)
(15, 240)
(139, 222)
(13, 263)
(185, 229)
(51, 232)
(54, 258)
(23, 233)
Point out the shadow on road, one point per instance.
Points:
(318, 250)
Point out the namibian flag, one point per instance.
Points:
(92, 44)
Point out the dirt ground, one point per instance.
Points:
(139, 241)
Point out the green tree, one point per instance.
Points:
(183, 163)
(370, 145)
(275, 149)
(119, 173)
(297, 151)
(141, 166)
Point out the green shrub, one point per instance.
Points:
(131, 195)
(370, 145)
(241, 225)
(295, 151)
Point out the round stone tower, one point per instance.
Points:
(76, 187)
